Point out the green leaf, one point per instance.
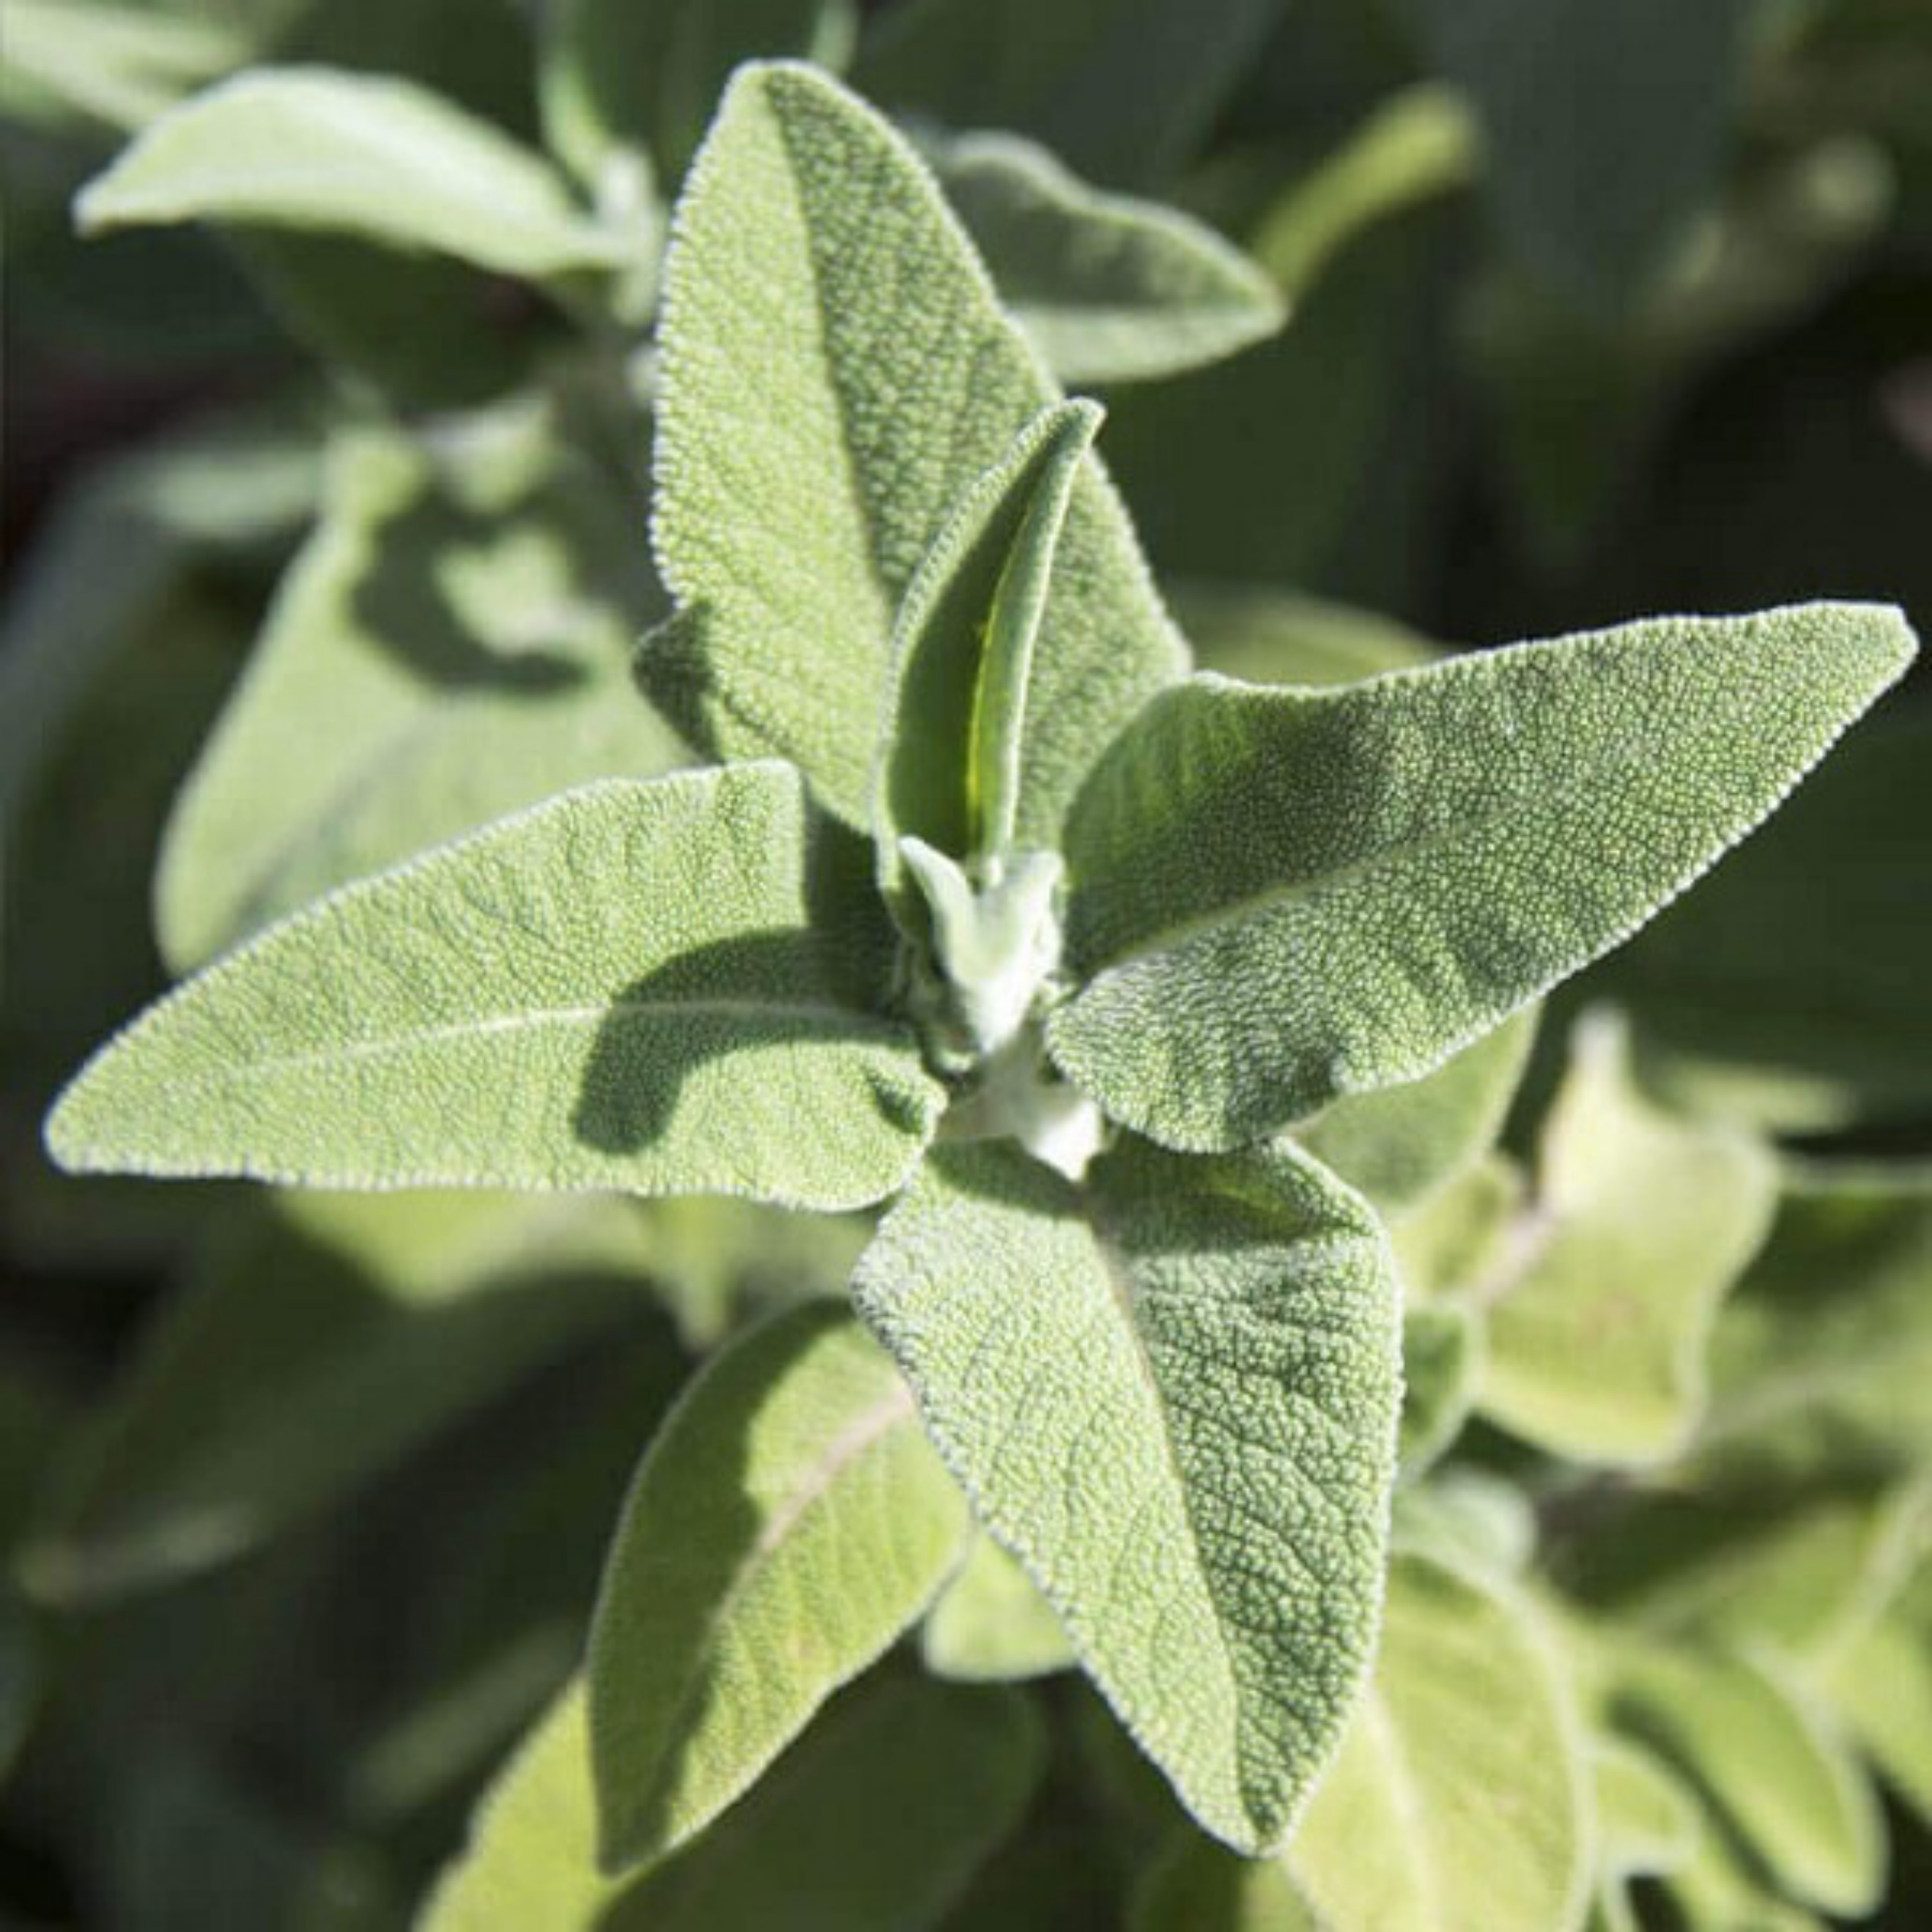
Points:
(1460, 1240)
(1266, 636)
(1640, 1223)
(1466, 1517)
(1605, 127)
(991, 1624)
(310, 148)
(1881, 1688)
(1124, 90)
(1769, 1761)
(874, 1821)
(1458, 1801)
(1172, 1393)
(642, 77)
(788, 1523)
(957, 716)
(813, 440)
(1401, 1145)
(451, 645)
(1196, 1886)
(117, 64)
(1441, 1369)
(1110, 288)
(626, 988)
(1646, 1824)
(1279, 897)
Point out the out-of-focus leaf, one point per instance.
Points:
(1124, 91)
(354, 153)
(1442, 1369)
(1110, 288)
(119, 65)
(451, 645)
(1265, 636)
(1881, 1688)
(1468, 1517)
(789, 1522)
(1640, 1224)
(1196, 1886)
(874, 1821)
(990, 1624)
(1460, 1768)
(1452, 1246)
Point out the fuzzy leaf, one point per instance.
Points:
(452, 644)
(1110, 288)
(874, 1821)
(1641, 1222)
(821, 419)
(357, 154)
(1278, 897)
(1457, 1803)
(956, 719)
(789, 1522)
(626, 988)
(991, 1623)
(1173, 1394)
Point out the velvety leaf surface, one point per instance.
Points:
(789, 1522)
(451, 644)
(822, 413)
(991, 1624)
(873, 1822)
(1110, 288)
(1604, 127)
(1172, 1393)
(1459, 1768)
(1640, 1223)
(1279, 897)
(309, 147)
(626, 988)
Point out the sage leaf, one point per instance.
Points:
(1771, 1762)
(1604, 128)
(1172, 1393)
(990, 1624)
(813, 441)
(957, 716)
(1881, 1689)
(116, 64)
(876, 1817)
(789, 1522)
(1196, 1886)
(625, 988)
(1401, 1144)
(311, 148)
(1460, 1240)
(451, 645)
(1279, 897)
(1266, 636)
(1460, 1766)
(1640, 1223)
(1109, 287)
(1442, 1369)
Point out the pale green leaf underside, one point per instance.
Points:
(837, 372)
(117, 64)
(955, 721)
(1279, 897)
(878, 1815)
(655, 987)
(1458, 1801)
(789, 1522)
(990, 1624)
(354, 154)
(1172, 1393)
(1110, 288)
(430, 663)
(1642, 1222)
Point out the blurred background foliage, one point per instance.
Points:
(324, 539)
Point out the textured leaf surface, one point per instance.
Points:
(1771, 1764)
(991, 1624)
(1173, 1394)
(962, 674)
(788, 1524)
(1641, 1222)
(625, 988)
(1605, 126)
(1279, 897)
(310, 148)
(837, 372)
(1110, 288)
(452, 644)
(873, 1822)
(1459, 1768)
